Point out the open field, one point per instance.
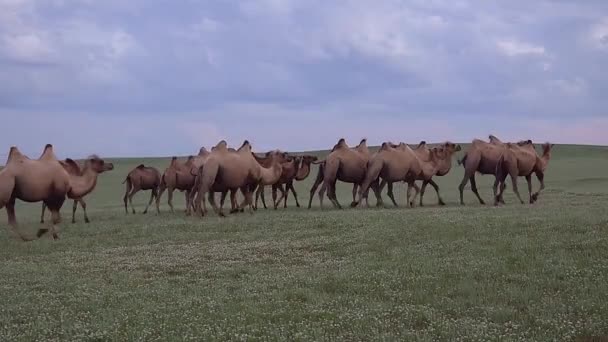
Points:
(435, 273)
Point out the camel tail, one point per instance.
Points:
(463, 160)
(126, 180)
(501, 168)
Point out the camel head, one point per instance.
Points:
(450, 147)
(547, 147)
(524, 142)
(279, 156)
(98, 165)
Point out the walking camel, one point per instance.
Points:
(177, 176)
(301, 173)
(141, 178)
(90, 173)
(43, 180)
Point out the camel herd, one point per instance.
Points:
(227, 170)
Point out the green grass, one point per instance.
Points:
(435, 273)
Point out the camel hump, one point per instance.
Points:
(386, 146)
(341, 144)
(13, 153)
(245, 146)
(71, 166)
(190, 159)
(363, 142)
(140, 167)
(221, 146)
(48, 153)
(173, 162)
(203, 151)
(421, 144)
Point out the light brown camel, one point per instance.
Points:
(177, 176)
(302, 171)
(344, 164)
(92, 164)
(521, 160)
(395, 163)
(225, 171)
(288, 168)
(141, 178)
(445, 153)
(480, 157)
(43, 180)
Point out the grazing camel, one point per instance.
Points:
(344, 164)
(177, 176)
(445, 153)
(141, 178)
(43, 180)
(395, 163)
(481, 157)
(521, 160)
(90, 172)
(301, 173)
(229, 171)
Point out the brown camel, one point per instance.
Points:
(301, 173)
(177, 176)
(141, 178)
(344, 164)
(288, 168)
(43, 180)
(229, 171)
(521, 160)
(481, 157)
(92, 164)
(395, 163)
(445, 153)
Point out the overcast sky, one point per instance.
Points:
(142, 77)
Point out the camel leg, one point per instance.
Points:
(187, 199)
(12, 220)
(422, 190)
(412, 201)
(354, 203)
(248, 198)
(126, 197)
(258, 193)
(83, 204)
(293, 191)
(152, 196)
(314, 187)
(74, 207)
(161, 190)
(211, 198)
(461, 187)
(133, 192)
(541, 178)
(390, 193)
(222, 200)
(274, 196)
(56, 219)
(322, 195)
(376, 189)
(278, 199)
(42, 214)
(169, 200)
(436, 187)
(529, 180)
(285, 195)
(332, 195)
(515, 188)
(474, 189)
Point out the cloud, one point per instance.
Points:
(295, 74)
(513, 48)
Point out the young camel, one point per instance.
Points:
(288, 167)
(344, 164)
(90, 173)
(445, 153)
(521, 160)
(177, 176)
(43, 180)
(301, 173)
(141, 178)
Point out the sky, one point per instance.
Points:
(161, 78)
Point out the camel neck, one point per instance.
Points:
(303, 171)
(84, 184)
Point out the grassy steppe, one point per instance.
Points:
(435, 273)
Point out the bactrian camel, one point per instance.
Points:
(89, 174)
(344, 164)
(177, 176)
(141, 178)
(445, 152)
(43, 180)
(521, 160)
(302, 170)
(226, 171)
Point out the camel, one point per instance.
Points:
(141, 178)
(344, 164)
(90, 172)
(177, 176)
(228, 171)
(43, 180)
(394, 163)
(445, 152)
(481, 157)
(288, 169)
(521, 160)
(301, 173)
